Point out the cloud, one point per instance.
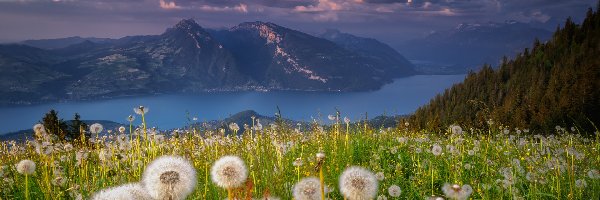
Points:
(323, 5)
(535, 15)
(242, 8)
(168, 5)
(326, 17)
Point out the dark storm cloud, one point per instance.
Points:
(387, 20)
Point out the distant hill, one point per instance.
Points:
(188, 58)
(28, 133)
(554, 83)
(63, 42)
(470, 45)
(388, 59)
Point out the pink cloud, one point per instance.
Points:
(168, 5)
(324, 5)
(243, 8)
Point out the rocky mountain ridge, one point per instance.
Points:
(188, 58)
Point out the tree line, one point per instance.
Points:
(556, 82)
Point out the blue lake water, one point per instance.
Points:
(403, 96)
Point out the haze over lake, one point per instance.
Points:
(402, 96)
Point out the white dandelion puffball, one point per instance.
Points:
(122, 129)
(456, 129)
(580, 183)
(380, 176)
(297, 162)
(331, 117)
(454, 191)
(96, 128)
(130, 118)
(141, 110)
(346, 120)
(38, 127)
(68, 147)
(123, 192)
(234, 127)
(26, 167)
(593, 174)
(358, 183)
(320, 155)
(436, 150)
(169, 177)
(394, 191)
(229, 172)
(39, 130)
(307, 189)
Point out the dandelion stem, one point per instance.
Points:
(26, 187)
(229, 194)
(322, 183)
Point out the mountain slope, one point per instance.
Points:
(469, 46)
(188, 58)
(556, 83)
(386, 57)
(26, 75)
(278, 57)
(62, 42)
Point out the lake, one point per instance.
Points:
(403, 96)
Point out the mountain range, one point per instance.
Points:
(188, 58)
(470, 45)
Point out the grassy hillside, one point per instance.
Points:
(554, 83)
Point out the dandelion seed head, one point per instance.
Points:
(59, 181)
(468, 166)
(169, 177)
(39, 130)
(26, 167)
(234, 127)
(123, 192)
(104, 155)
(122, 129)
(471, 152)
(593, 174)
(297, 162)
(436, 150)
(331, 117)
(130, 118)
(456, 129)
(394, 191)
(96, 128)
(380, 176)
(307, 189)
(229, 172)
(346, 120)
(401, 140)
(454, 191)
(320, 155)
(358, 183)
(580, 183)
(141, 110)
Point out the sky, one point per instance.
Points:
(390, 21)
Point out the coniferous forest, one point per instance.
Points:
(555, 83)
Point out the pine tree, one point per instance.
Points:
(54, 125)
(77, 127)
